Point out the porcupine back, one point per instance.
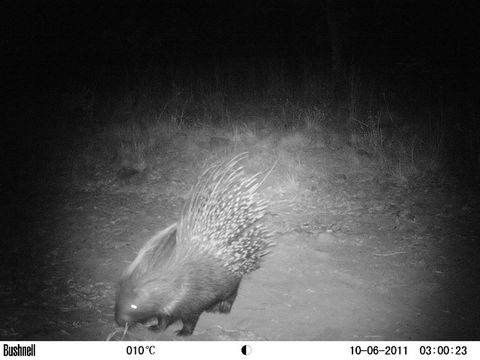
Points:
(197, 264)
(221, 220)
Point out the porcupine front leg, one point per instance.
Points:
(163, 322)
(189, 323)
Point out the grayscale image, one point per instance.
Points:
(240, 170)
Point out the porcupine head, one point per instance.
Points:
(144, 290)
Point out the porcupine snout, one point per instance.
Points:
(121, 315)
(131, 308)
(124, 306)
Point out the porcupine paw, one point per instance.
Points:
(162, 323)
(188, 326)
(183, 332)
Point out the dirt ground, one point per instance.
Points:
(358, 256)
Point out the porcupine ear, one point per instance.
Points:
(160, 247)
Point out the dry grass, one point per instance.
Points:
(138, 129)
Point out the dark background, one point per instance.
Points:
(73, 70)
(417, 58)
(52, 45)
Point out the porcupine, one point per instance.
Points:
(197, 264)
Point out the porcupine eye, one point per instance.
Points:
(133, 306)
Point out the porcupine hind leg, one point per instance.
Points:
(224, 306)
(189, 323)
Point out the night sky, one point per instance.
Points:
(420, 53)
(61, 38)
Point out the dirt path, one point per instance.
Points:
(357, 258)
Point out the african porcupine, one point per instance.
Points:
(197, 264)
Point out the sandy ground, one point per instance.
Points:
(357, 257)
